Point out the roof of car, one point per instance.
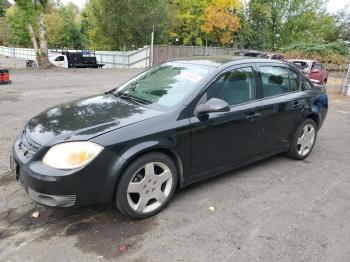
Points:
(216, 61)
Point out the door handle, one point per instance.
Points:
(252, 114)
(296, 104)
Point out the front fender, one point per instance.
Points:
(164, 146)
(139, 149)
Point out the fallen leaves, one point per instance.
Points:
(35, 214)
(122, 248)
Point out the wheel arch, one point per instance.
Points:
(146, 148)
(313, 116)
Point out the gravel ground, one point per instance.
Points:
(12, 63)
(273, 210)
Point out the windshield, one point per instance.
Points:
(165, 85)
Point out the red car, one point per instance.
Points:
(313, 69)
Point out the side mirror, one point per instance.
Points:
(211, 106)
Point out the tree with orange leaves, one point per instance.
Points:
(221, 21)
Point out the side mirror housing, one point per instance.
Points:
(211, 106)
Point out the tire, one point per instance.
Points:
(151, 178)
(308, 142)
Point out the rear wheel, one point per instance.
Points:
(304, 140)
(146, 186)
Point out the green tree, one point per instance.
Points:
(342, 24)
(188, 21)
(4, 4)
(16, 28)
(255, 23)
(307, 21)
(33, 13)
(72, 36)
(117, 23)
(63, 27)
(84, 29)
(272, 24)
(5, 30)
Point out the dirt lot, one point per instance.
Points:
(274, 210)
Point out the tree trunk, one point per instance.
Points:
(44, 52)
(34, 40)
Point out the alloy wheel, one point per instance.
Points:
(306, 140)
(149, 187)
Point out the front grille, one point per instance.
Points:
(28, 146)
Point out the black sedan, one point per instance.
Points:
(170, 126)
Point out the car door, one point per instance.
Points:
(227, 138)
(283, 101)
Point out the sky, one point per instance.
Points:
(79, 3)
(333, 6)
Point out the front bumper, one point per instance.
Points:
(52, 200)
(92, 184)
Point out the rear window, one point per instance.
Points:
(317, 66)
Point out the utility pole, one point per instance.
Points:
(152, 47)
(347, 83)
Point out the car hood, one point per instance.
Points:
(85, 118)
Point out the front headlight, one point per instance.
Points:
(71, 155)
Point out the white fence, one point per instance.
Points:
(111, 59)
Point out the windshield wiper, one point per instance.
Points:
(132, 98)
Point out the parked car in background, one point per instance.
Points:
(313, 69)
(276, 56)
(81, 59)
(170, 126)
(254, 54)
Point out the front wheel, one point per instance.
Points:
(146, 186)
(303, 141)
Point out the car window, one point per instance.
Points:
(252, 54)
(165, 85)
(60, 58)
(278, 80)
(235, 87)
(317, 66)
